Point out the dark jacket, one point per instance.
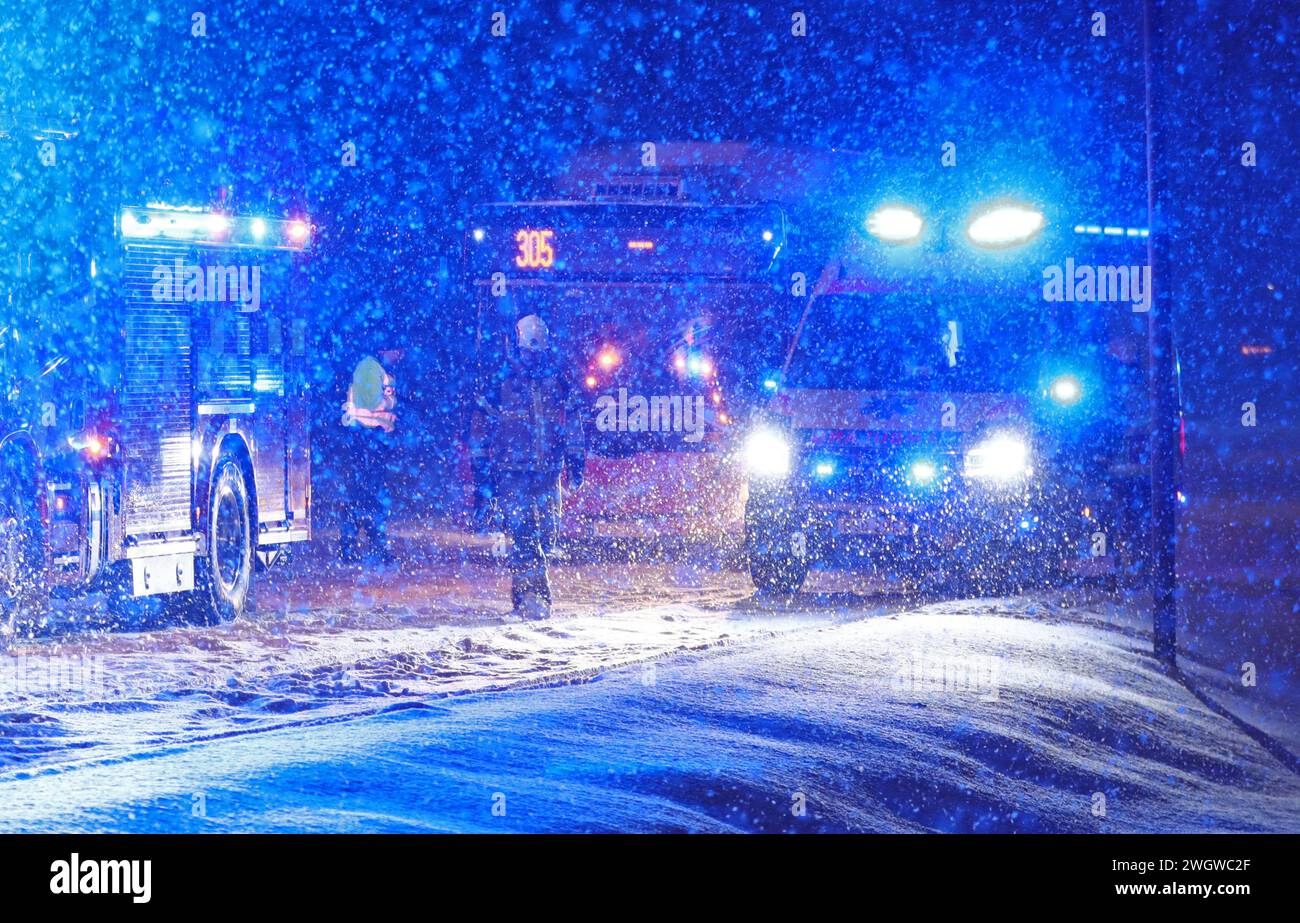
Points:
(527, 417)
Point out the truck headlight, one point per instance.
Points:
(1002, 458)
(767, 453)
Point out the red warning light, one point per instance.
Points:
(608, 358)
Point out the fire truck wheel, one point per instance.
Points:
(21, 555)
(223, 576)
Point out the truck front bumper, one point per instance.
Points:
(1023, 520)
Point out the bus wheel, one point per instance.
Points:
(22, 589)
(223, 577)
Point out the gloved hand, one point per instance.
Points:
(573, 466)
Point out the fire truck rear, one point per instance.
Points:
(154, 421)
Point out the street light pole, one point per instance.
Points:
(1162, 384)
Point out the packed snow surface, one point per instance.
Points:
(341, 708)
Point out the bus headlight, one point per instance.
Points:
(1005, 226)
(1001, 458)
(895, 224)
(767, 454)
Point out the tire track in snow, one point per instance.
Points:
(485, 651)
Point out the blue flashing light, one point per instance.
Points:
(824, 469)
(1111, 230)
(1005, 226)
(896, 224)
(923, 472)
(1065, 390)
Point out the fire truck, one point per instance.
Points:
(666, 281)
(954, 401)
(154, 416)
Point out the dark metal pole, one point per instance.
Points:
(1162, 383)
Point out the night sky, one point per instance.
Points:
(444, 114)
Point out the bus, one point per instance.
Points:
(963, 397)
(663, 289)
(154, 417)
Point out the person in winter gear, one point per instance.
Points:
(369, 417)
(526, 431)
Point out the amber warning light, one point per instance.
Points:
(95, 446)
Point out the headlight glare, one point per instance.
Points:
(767, 453)
(1001, 458)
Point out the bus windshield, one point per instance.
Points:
(669, 336)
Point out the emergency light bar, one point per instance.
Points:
(1005, 226)
(178, 223)
(896, 224)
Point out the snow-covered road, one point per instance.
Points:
(949, 717)
(326, 643)
(660, 698)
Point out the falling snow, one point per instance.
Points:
(830, 459)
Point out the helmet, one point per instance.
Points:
(530, 332)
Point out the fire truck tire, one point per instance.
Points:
(223, 575)
(23, 589)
